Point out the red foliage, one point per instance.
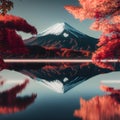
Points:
(107, 20)
(109, 89)
(105, 107)
(68, 53)
(2, 64)
(90, 9)
(16, 23)
(106, 26)
(10, 103)
(10, 41)
(110, 50)
(99, 108)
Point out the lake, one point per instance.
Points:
(22, 97)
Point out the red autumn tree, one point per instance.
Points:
(6, 5)
(105, 14)
(10, 41)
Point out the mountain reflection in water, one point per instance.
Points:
(106, 107)
(50, 105)
(61, 77)
(10, 102)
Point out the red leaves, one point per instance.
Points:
(107, 20)
(106, 26)
(5, 6)
(94, 9)
(10, 41)
(11, 103)
(109, 42)
(77, 12)
(2, 64)
(15, 44)
(16, 23)
(110, 50)
(106, 107)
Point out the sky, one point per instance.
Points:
(45, 13)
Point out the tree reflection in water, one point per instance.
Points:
(106, 107)
(11, 103)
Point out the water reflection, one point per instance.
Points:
(60, 76)
(106, 107)
(46, 102)
(10, 102)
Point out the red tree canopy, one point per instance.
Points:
(95, 9)
(5, 6)
(2, 64)
(16, 23)
(10, 41)
(107, 20)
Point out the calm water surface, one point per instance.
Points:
(34, 100)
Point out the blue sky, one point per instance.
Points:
(45, 13)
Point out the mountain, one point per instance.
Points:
(62, 35)
(58, 41)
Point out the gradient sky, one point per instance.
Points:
(44, 13)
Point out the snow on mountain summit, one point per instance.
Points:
(58, 29)
(63, 35)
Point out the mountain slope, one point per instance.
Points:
(62, 35)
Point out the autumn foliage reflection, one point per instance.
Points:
(11, 103)
(105, 107)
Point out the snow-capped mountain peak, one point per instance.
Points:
(58, 29)
(63, 35)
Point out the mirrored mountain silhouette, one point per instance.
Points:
(10, 102)
(10, 41)
(62, 77)
(106, 107)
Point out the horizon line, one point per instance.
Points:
(57, 60)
